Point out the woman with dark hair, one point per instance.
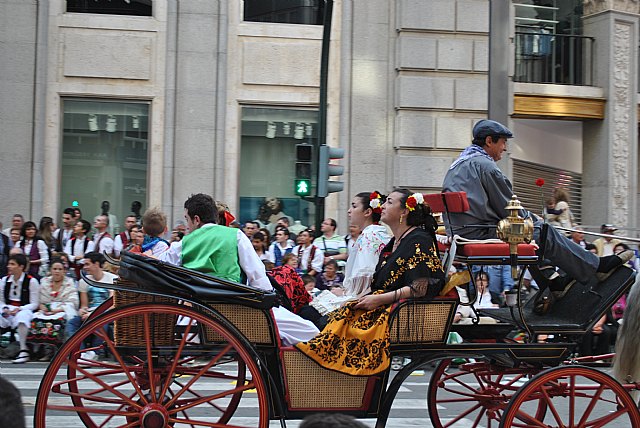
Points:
(356, 338)
(58, 303)
(365, 212)
(45, 232)
(35, 249)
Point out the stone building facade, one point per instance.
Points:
(196, 98)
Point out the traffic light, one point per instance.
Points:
(304, 159)
(326, 170)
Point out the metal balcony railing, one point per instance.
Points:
(554, 58)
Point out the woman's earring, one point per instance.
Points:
(401, 218)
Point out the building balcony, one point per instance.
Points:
(544, 57)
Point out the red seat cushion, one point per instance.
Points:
(456, 202)
(480, 250)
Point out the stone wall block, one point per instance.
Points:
(420, 171)
(471, 94)
(481, 55)
(427, 15)
(453, 132)
(196, 109)
(197, 70)
(473, 15)
(455, 54)
(414, 129)
(285, 63)
(425, 92)
(372, 45)
(110, 54)
(417, 52)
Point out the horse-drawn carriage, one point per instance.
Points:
(187, 349)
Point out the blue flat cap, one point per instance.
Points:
(486, 127)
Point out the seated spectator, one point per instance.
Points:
(18, 299)
(258, 241)
(310, 285)
(79, 245)
(633, 263)
(333, 245)
(35, 249)
(122, 240)
(464, 313)
(289, 279)
(290, 260)
(280, 247)
(58, 304)
(330, 277)
(154, 225)
(91, 297)
(137, 239)
(310, 257)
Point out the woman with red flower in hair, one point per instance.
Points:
(356, 338)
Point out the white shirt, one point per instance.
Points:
(283, 250)
(303, 257)
(78, 249)
(66, 235)
(292, 328)
(105, 243)
(42, 251)
(118, 245)
(16, 290)
(249, 261)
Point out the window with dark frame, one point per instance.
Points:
(111, 7)
(284, 11)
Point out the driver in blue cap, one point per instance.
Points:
(488, 190)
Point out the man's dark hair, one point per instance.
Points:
(306, 279)
(255, 223)
(481, 141)
(69, 211)
(11, 409)
(86, 226)
(21, 259)
(19, 215)
(95, 257)
(324, 420)
(286, 220)
(203, 206)
(333, 223)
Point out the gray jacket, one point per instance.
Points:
(488, 191)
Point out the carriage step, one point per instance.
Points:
(577, 311)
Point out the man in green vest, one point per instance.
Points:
(226, 252)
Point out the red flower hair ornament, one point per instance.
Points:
(414, 200)
(375, 202)
(540, 182)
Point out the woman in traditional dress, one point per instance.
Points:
(35, 249)
(58, 303)
(364, 214)
(356, 338)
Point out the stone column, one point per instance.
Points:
(610, 151)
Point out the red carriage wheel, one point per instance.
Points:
(477, 392)
(576, 397)
(182, 383)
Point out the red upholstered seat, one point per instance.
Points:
(453, 202)
(488, 250)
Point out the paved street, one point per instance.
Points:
(409, 407)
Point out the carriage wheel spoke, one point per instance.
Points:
(107, 387)
(199, 374)
(151, 374)
(176, 359)
(592, 404)
(112, 348)
(205, 399)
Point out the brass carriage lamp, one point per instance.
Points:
(515, 230)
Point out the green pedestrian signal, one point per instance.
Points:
(303, 187)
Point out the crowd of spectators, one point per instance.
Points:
(44, 299)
